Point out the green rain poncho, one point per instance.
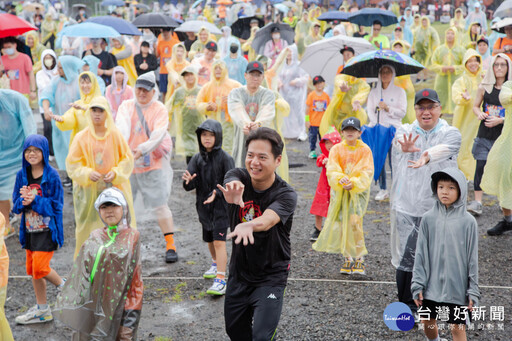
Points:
(184, 116)
(426, 40)
(447, 56)
(497, 178)
(463, 117)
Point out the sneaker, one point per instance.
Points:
(218, 287)
(312, 154)
(211, 273)
(67, 182)
(171, 256)
(60, 286)
(302, 137)
(346, 268)
(35, 315)
(475, 208)
(358, 268)
(314, 235)
(383, 194)
(499, 228)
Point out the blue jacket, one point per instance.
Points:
(48, 206)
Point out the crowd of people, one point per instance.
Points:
(116, 111)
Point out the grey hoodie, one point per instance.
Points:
(446, 264)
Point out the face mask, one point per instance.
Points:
(9, 51)
(276, 36)
(48, 63)
(82, 12)
(233, 49)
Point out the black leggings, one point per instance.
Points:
(403, 283)
(47, 132)
(479, 171)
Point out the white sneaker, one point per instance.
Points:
(218, 287)
(302, 137)
(383, 194)
(60, 286)
(211, 273)
(35, 315)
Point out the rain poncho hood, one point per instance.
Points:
(115, 96)
(95, 89)
(490, 79)
(94, 63)
(446, 264)
(72, 67)
(174, 68)
(50, 204)
(211, 126)
(51, 73)
(36, 50)
(124, 58)
(226, 41)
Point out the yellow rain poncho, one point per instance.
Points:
(48, 29)
(124, 58)
(174, 68)
(426, 40)
(447, 56)
(468, 39)
(458, 21)
(301, 32)
(184, 116)
(343, 228)
(198, 45)
(497, 178)
(341, 104)
(90, 152)
(312, 37)
(76, 119)
(5, 329)
(217, 90)
(282, 111)
(247, 46)
(36, 50)
(405, 83)
(463, 117)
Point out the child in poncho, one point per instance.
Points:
(349, 171)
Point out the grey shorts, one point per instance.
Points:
(481, 148)
(151, 186)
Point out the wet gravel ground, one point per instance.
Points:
(320, 304)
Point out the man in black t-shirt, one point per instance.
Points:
(107, 60)
(261, 207)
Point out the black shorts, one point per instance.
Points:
(215, 234)
(444, 312)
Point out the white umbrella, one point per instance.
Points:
(324, 58)
(196, 25)
(504, 10)
(500, 25)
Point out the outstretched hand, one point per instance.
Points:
(244, 232)
(408, 144)
(187, 177)
(233, 193)
(422, 161)
(210, 199)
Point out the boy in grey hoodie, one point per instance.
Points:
(445, 276)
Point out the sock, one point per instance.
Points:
(436, 339)
(508, 218)
(214, 263)
(169, 239)
(42, 306)
(221, 275)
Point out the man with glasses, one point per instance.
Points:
(420, 149)
(377, 39)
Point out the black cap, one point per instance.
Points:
(254, 66)
(482, 39)
(347, 48)
(429, 94)
(318, 79)
(274, 29)
(211, 45)
(351, 122)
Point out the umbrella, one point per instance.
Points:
(334, 15)
(118, 3)
(500, 25)
(79, 6)
(155, 20)
(89, 30)
(196, 25)
(240, 10)
(368, 64)
(291, 5)
(379, 139)
(367, 16)
(504, 10)
(197, 3)
(324, 58)
(282, 8)
(31, 7)
(224, 2)
(120, 25)
(142, 6)
(263, 35)
(11, 25)
(241, 28)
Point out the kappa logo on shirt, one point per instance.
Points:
(272, 296)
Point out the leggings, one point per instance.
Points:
(479, 171)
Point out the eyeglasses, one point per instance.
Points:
(426, 108)
(33, 150)
(500, 65)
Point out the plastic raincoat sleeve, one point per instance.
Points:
(157, 133)
(75, 165)
(363, 90)
(458, 88)
(421, 262)
(5, 329)
(123, 119)
(69, 120)
(202, 101)
(124, 53)
(124, 168)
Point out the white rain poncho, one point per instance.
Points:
(294, 125)
(17, 123)
(226, 41)
(411, 195)
(245, 108)
(60, 93)
(45, 76)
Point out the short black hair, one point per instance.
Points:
(85, 77)
(144, 43)
(441, 176)
(11, 40)
(377, 22)
(269, 135)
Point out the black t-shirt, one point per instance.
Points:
(107, 62)
(38, 236)
(267, 261)
(491, 105)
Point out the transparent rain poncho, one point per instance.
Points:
(59, 94)
(426, 40)
(5, 329)
(124, 58)
(17, 123)
(411, 194)
(94, 63)
(282, 111)
(463, 117)
(90, 152)
(497, 178)
(343, 229)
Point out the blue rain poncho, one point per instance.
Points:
(94, 64)
(17, 123)
(408, 36)
(60, 93)
(236, 68)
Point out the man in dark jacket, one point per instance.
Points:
(205, 170)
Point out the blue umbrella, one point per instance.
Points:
(367, 16)
(197, 3)
(379, 139)
(120, 25)
(89, 30)
(112, 3)
(334, 15)
(368, 64)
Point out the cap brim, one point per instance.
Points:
(144, 86)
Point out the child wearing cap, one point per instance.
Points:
(316, 104)
(349, 172)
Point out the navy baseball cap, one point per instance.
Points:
(254, 66)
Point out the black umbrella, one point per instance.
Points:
(155, 20)
(242, 29)
(264, 34)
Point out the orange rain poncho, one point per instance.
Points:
(90, 152)
(343, 228)
(174, 68)
(5, 329)
(75, 119)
